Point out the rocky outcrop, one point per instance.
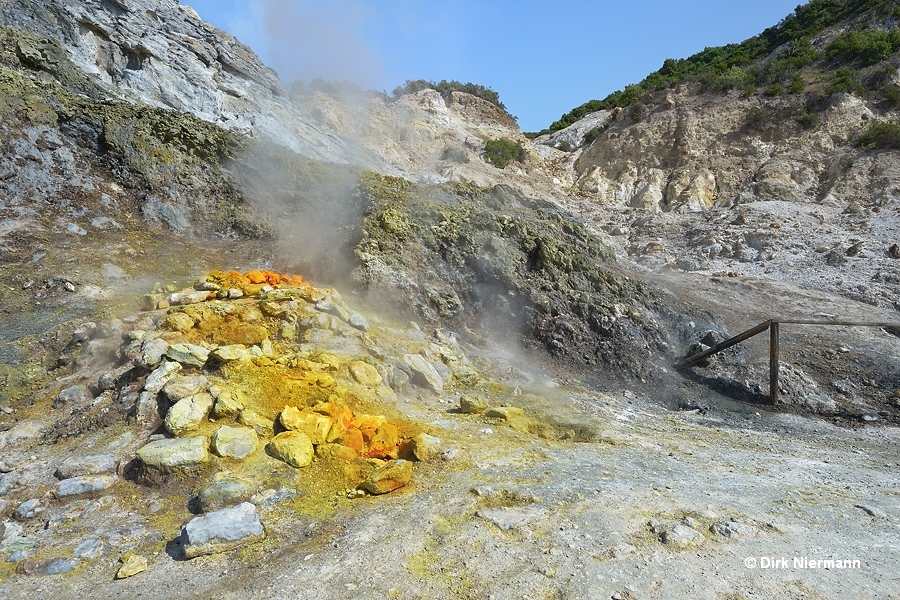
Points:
(692, 152)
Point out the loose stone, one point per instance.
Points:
(183, 386)
(426, 447)
(159, 377)
(132, 565)
(292, 447)
(222, 530)
(365, 373)
(28, 510)
(188, 354)
(187, 414)
(89, 548)
(472, 405)
(424, 372)
(84, 485)
(389, 477)
(86, 465)
(169, 454)
(234, 442)
(225, 492)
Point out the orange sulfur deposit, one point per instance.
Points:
(285, 374)
(238, 280)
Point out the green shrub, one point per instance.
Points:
(845, 80)
(884, 135)
(891, 94)
(595, 133)
(500, 151)
(868, 47)
(565, 146)
(808, 120)
(797, 84)
(757, 118)
(775, 89)
(444, 88)
(457, 155)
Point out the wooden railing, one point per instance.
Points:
(773, 325)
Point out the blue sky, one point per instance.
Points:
(543, 58)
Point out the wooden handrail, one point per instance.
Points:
(773, 326)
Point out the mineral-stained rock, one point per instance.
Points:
(315, 425)
(388, 477)
(85, 484)
(183, 386)
(353, 438)
(358, 321)
(161, 376)
(292, 447)
(76, 394)
(49, 566)
(174, 454)
(187, 414)
(151, 353)
(472, 405)
(246, 334)
(234, 442)
(385, 441)
(262, 425)
(336, 451)
(89, 548)
(132, 565)
(426, 447)
(365, 373)
(76, 466)
(681, 535)
(222, 530)
(507, 413)
(228, 404)
(178, 322)
(147, 410)
(28, 510)
(188, 354)
(424, 372)
(225, 492)
(368, 425)
(232, 353)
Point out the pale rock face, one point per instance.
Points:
(691, 153)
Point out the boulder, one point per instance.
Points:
(174, 454)
(424, 373)
(365, 373)
(388, 477)
(76, 466)
(189, 355)
(232, 353)
(183, 386)
(234, 442)
(222, 530)
(426, 447)
(132, 565)
(315, 425)
(292, 447)
(225, 492)
(161, 376)
(85, 484)
(187, 414)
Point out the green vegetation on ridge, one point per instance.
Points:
(742, 65)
